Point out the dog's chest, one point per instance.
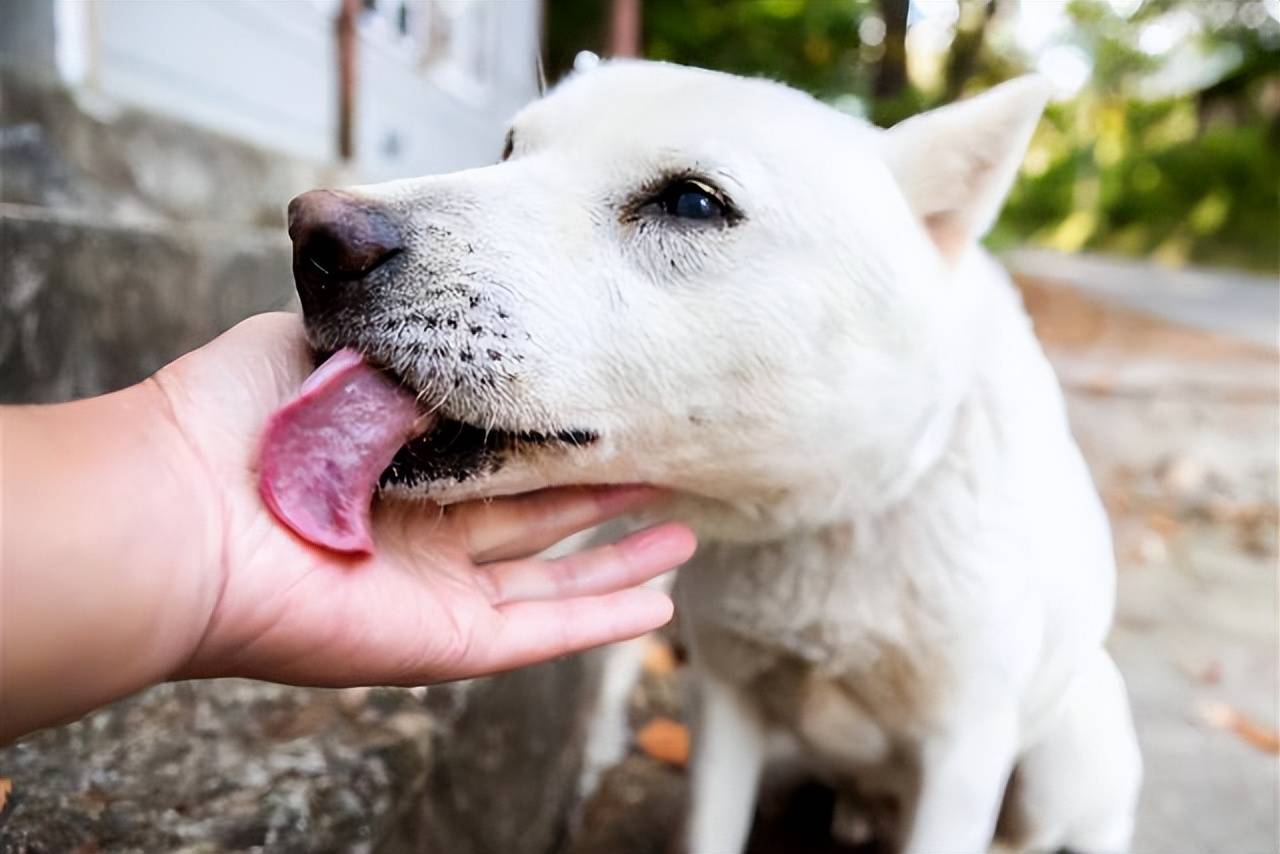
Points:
(821, 642)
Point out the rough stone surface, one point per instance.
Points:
(221, 766)
(87, 308)
(506, 755)
(126, 240)
(236, 765)
(79, 151)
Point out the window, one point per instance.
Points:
(453, 42)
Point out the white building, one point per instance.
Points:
(434, 80)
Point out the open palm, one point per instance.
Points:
(449, 593)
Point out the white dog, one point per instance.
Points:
(721, 286)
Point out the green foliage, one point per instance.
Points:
(1192, 177)
(810, 45)
(813, 46)
(1143, 179)
(1187, 178)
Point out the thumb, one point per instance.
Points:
(222, 393)
(246, 372)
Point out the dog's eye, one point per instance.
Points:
(689, 199)
(684, 202)
(509, 144)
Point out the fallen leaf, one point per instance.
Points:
(1163, 524)
(1118, 499)
(6, 786)
(659, 659)
(1151, 548)
(665, 740)
(1209, 674)
(1223, 716)
(1100, 385)
(92, 803)
(1181, 475)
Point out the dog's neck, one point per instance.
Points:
(1009, 377)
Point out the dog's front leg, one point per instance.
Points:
(729, 752)
(963, 773)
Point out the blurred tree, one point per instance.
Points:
(891, 70)
(1171, 148)
(814, 46)
(971, 33)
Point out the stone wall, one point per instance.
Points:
(233, 765)
(126, 240)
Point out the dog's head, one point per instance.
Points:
(674, 276)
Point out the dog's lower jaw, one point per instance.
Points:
(822, 499)
(752, 519)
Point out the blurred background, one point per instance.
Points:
(1164, 141)
(147, 151)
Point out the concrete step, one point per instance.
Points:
(127, 238)
(88, 306)
(232, 765)
(77, 151)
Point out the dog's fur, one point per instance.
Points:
(905, 572)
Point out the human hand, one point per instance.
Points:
(137, 549)
(450, 592)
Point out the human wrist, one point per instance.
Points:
(186, 491)
(110, 554)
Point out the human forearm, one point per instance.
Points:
(104, 584)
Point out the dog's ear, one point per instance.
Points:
(955, 164)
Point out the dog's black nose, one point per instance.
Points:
(337, 239)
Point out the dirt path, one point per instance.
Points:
(1180, 428)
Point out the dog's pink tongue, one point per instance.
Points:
(324, 450)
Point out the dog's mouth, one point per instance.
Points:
(355, 427)
(457, 451)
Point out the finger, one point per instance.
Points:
(536, 631)
(632, 560)
(526, 524)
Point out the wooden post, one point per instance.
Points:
(624, 28)
(346, 29)
(891, 72)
